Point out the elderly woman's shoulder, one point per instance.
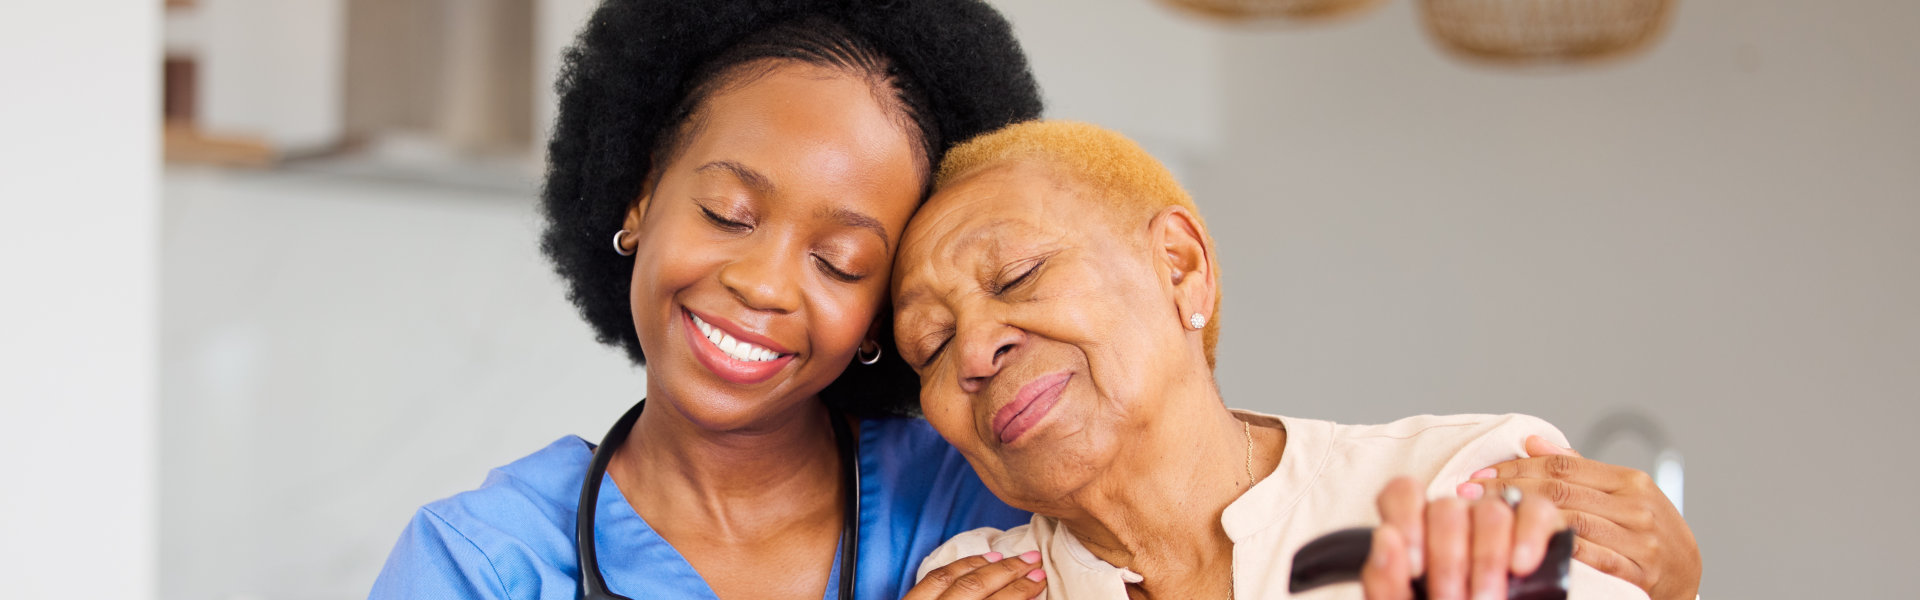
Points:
(1440, 449)
(1015, 541)
(1437, 428)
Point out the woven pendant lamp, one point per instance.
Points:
(1243, 10)
(1546, 31)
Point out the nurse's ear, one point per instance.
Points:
(637, 212)
(1186, 260)
(630, 227)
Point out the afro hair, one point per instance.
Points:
(638, 71)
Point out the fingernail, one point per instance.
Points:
(1470, 491)
(1031, 557)
(1037, 575)
(994, 556)
(1524, 558)
(1486, 473)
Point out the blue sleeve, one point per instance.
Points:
(434, 561)
(915, 492)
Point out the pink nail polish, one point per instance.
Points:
(1031, 557)
(1470, 491)
(1037, 575)
(993, 556)
(1486, 473)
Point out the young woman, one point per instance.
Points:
(728, 182)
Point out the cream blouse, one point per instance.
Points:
(1328, 478)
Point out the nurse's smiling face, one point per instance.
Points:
(763, 252)
(1041, 322)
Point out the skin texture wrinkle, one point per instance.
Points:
(1014, 301)
(1112, 177)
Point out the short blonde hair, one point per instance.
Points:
(1117, 171)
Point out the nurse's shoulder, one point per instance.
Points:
(913, 466)
(509, 538)
(916, 491)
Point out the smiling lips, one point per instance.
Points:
(725, 350)
(1029, 406)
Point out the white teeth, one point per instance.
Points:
(741, 351)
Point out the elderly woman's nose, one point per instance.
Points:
(760, 279)
(983, 351)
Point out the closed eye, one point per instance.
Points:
(723, 222)
(1024, 276)
(836, 272)
(935, 354)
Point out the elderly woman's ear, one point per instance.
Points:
(1186, 260)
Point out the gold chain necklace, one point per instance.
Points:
(1246, 428)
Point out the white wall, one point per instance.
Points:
(77, 224)
(1134, 66)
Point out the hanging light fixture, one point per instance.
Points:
(1546, 31)
(1241, 10)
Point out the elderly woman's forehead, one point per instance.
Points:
(1021, 187)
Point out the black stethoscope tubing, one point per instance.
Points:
(593, 585)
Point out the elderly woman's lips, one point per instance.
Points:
(1028, 406)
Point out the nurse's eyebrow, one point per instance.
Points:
(853, 218)
(753, 179)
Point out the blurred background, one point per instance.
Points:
(1686, 232)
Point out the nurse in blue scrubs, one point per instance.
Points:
(727, 185)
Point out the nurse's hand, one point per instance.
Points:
(1627, 527)
(984, 577)
(1465, 549)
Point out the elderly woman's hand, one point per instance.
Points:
(1466, 549)
(984, 577)
(1627, 527)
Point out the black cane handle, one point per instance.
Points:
(1338, 557)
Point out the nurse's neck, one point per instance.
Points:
(737, 482)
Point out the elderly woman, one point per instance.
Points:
(1059, 297)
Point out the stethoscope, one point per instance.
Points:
(593, 585)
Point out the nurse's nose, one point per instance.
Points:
(762, 281)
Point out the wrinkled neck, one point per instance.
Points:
(1157, 508)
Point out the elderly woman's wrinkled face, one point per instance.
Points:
(1040, 323)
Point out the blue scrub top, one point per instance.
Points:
(513, 537)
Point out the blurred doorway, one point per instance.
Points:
(456, 74)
